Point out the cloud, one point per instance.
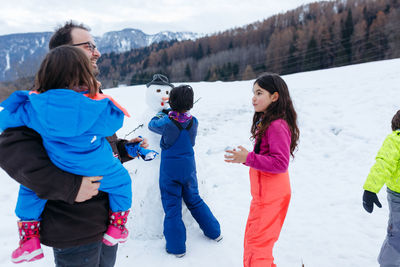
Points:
(207, 16)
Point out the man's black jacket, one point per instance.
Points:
(64, 222)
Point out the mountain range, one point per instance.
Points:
(21, 53)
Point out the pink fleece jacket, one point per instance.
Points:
(274, 150)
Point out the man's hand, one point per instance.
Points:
(139, 139)
(369, 199)
(235, 156)
(89, 188)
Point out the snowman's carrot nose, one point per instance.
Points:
(165, 99)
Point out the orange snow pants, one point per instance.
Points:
(271, 197)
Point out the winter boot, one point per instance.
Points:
(116, 232)
(219, 238)
(179, 255)
(29, 245)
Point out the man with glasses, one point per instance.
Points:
(77, 35)
(76, 214)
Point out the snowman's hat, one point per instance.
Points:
(159, 79)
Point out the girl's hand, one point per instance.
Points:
(235, 156)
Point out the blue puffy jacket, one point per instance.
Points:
(74, 130)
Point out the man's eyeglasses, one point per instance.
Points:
(90, 46)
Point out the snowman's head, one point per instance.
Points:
(157, 93)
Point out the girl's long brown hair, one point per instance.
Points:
(66, 67)
(280, 109)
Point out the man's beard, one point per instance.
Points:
(95, 68)
(96, 71)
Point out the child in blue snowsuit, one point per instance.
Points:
(178, 171)
(74, 122)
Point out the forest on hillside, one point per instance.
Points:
(314, 36)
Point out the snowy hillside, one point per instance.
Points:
(344, 115)
(127, 39)
(21, 53)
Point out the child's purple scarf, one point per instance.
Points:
(180, 117)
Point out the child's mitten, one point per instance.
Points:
(166, 111)
(134, 150)
(369, 199)
(147, 154)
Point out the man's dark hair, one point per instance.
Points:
(181, 98)
(62, 35)
(396, 121)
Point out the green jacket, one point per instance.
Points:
(386, 168)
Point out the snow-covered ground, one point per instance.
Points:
(344, 115)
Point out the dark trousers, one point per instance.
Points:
(390, 251)
(91, 255)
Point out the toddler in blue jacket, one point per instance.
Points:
(178, 171)
(74, 121)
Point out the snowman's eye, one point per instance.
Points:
(158, 90)
(166, 92)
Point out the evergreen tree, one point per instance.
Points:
(293, 60)
(311, 60)
(248, 73)
(164, 59)
(347, 32)
(199, 53)
(188, 72)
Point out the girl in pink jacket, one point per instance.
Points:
(276, 136)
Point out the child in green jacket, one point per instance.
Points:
(386, 170)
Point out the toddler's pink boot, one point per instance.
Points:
(29, 245)
(116, 232)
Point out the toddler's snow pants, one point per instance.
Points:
(390, 251)
(178, 181)
(271, 197)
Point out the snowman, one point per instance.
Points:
(147, 211)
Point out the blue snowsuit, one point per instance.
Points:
(74, 130)
(178, 180)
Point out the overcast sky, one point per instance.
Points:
(150, 16)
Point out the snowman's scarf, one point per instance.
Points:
(180, 117)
